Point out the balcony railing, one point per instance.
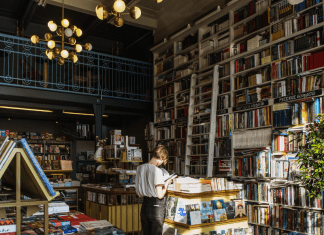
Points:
(25, 65)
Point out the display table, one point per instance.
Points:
(121, 208)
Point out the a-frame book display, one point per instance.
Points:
(19, 171)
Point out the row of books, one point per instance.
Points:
(280, 11)
(253, 95)
(181, 132)
(223, 102)
(26, 135)
(288, 142)
(298, 64)
(149, 131)
(254, 165)
(164, 55)
(247, 63)
(257, 77)
(188, 41)
(165, 103)
(182, 85)
(250, 9)
(165, 133)
(253, 118)
(252, 43)
(297, 220)
(167, 65)
(165, 115)
(295, 114)
(201, 129)
(216, 57)
(295, 195)
(253, 25)
(200, 149)
(161, 80)
(182, 111)
(223, 126)
(296, 85)
(256, 191)
(164, 91)
(222, 166)
(223, 148)
(259, 214)
(224, 86)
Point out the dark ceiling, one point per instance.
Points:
(133, 42)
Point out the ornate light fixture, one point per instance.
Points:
(117, 10)
(66, 33)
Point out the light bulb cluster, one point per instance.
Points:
(117, 10)
(65, 33)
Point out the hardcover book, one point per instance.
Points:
(66, 165)
(239, 209)
(206, 210)
(38, 167)
(230, 209)
(171, 208)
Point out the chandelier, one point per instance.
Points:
(65, 32)
(117, 10)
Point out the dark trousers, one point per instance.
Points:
(152, 216)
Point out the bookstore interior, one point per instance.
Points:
(233, 90)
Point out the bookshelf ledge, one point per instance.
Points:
(187, 226)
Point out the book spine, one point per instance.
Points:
(38, 167)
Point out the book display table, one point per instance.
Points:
(198, 213)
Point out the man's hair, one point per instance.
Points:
(160, 152)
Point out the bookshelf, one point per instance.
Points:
(263, 82)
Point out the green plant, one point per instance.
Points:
(311, 158)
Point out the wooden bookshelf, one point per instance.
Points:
(202, 195)
(57, 171)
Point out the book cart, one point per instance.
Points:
(19, 172)
(280, 59)
(186, 229)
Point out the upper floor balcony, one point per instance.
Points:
(25, 65)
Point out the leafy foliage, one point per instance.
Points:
(311, 158)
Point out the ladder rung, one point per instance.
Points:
(205, 93)
(195, 105)
(203, 84)
(200, 114)
(198, 134)
(200, 124)
(184, 91)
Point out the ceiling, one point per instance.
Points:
(134, 38)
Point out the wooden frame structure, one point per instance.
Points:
(21, 174)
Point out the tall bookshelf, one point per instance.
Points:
(260, 78)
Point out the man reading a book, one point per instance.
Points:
(151, 185)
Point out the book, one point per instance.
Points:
(66, 165)
(206, 210)
(167, 230)
(181, 214)
(193, 214)
(239, 208)
(230, 209)
(171, 208)
(37, 167)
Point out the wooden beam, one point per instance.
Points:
(27, 14)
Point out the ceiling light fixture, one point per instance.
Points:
(117, 10)
(294, 2)
(83, 114)
(27, 109)
(65, 32)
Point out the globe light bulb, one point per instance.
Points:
(34, 39)
(50, 54)
(65, 23)
(102, 12)
(73, 57)
(59, 31)
(135, 12)
(48, 36)
(119, 6)
(51, 44)
(68, 32)
(52, 26)
(57, 50)
(64, 53)
(118, 21)
(61, 61)
(78, 48)
(88, 46)
(78, 32)
(49, 23)
(74, 28)
(158, 1)
(72, 41)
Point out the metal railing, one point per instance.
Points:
(26, 65)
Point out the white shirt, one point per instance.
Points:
(148, 177)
